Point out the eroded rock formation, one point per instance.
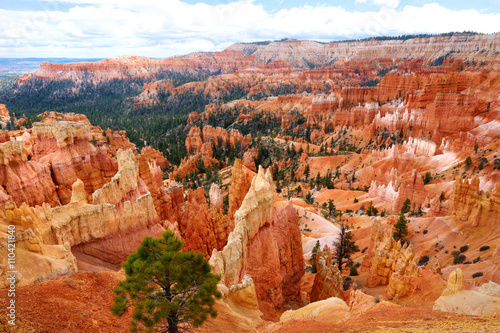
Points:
(65, 147)
(328, 282)
(267, 249)
(391, 258)
(22, 180)
(473, 206)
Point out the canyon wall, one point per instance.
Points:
(264, 244)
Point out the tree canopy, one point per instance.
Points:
(345, 247)
(401, 228)
(169, 290)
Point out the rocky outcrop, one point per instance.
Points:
(173, 204)
(214, 136)
(240, 184)
(197, 226)
(152, 154)
(265, 245)
(483, 301)
(216, 198)
(392, 260)
(36, 260)
(244, 294)
(412, 188)
(328, 282)
(249, 159)
(126, 185)
(194, 141)
(104, 231)
(476, 208)
(22, 180)
(4, 115)
(332, 309)
(65, 147)
(249, 219)
(377, 234)
(456, 282)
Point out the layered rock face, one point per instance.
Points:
(36, 259)
(102, 232)
(203, 230)
(211, 135)
(22, 180)
(412, 188)
(65, 147)
(114, 224)
(264, 245)
(276, 55)
(240, 184)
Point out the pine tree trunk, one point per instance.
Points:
(173, 322)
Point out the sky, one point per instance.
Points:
(164, 28)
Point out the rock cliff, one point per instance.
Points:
(266, 248)
(23, 180)
(64, 146)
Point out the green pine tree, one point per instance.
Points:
(406, 206)
(345, 247)
(313, 256)
(401, 228)
(307, 171)
(170, 290)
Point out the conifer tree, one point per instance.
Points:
(331, 208)
(406, 206)
(169, 290)
(313, 256)
(401, 228)
(307, 171)
(345, 247)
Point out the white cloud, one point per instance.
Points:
(387, 3)
(380, 3)
(161, 28)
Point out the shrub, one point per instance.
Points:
(356, 200)
(456, 257)
(478, 259)
(364, 250)
(484, 248)
(477, 274)
(425, 231)
(468, 161)
(353, 271)
(464, 248)
(423, 261)
(309, 199)
(427, 177)
(406, 206)
(461, 258)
